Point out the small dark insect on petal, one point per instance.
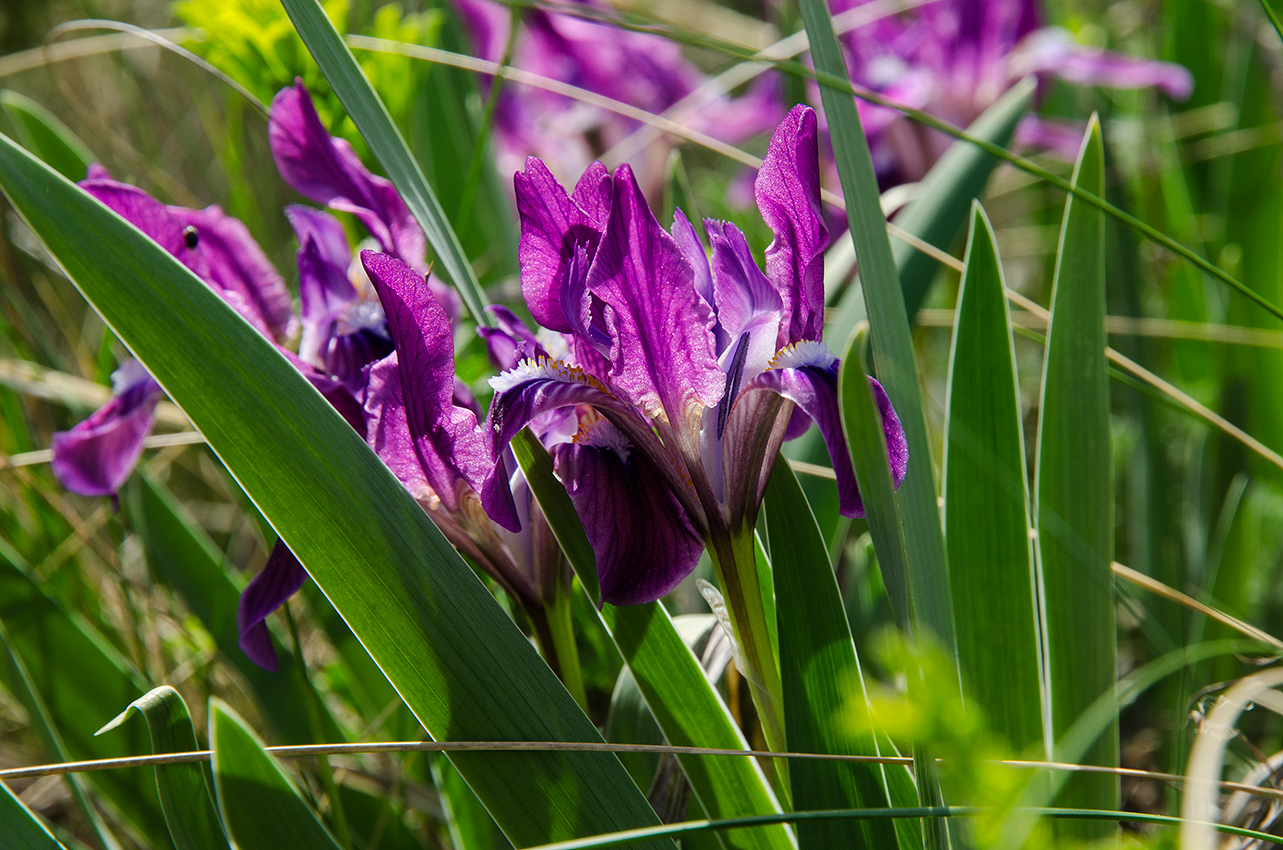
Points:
(190, 237)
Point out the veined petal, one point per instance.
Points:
(536, 388)
(324, 288)
(807, 375)
(238, 265)
(447, 444)
(788, 196)
(746, 301)
(280, 579)
(388, 432)
(96, 456)
(640, 534)
(662, 349)
(553, 225)
(327, 171)
(510, 341)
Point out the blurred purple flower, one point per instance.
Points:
(96, 456)
(685, 374)
(954, 58)
(642, 70)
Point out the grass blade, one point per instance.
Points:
(45, 136)
(381, 134)
(823, 684)
(20, 827)
(261, 808)
(455, 657)
(986, 505)
(1074, 490)
(184, 794)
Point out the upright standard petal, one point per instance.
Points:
(788, 196)
(447, 443)
(662, 348)
(280, 579)
(327, 171)
(553, 225)
(749, 309)
(96, 456)
(324, 290)
(641, 536)
(807, 375)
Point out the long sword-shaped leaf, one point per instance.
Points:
(45, 136)
(914, 515)
(184, 794)
(889, 327)
(261, 808)
(458, 661)
(20, 828)
(1075, 495)
(372, 119)
(823, 684)
(688, 709)
(986, 505)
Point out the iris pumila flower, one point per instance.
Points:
(639, 69)
(424, 425)
(954, 58)
(685, 374)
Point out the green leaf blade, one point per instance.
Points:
(20, 827)
(456, 658)
(821, 674)
(1074, 490)
(184, 795)
(260, 807)
(987, 506)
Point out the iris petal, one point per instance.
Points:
(280, 579)
(96, 456)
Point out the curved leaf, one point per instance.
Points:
(184, 795)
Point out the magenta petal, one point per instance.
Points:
(553, 225)
(788, 195)
(746, 301)
(447, 443)
(239, 270)
(510, 341)
(640, 534)
(96, 456)
(813, 388)
(662, 347)
(151, 217)
(327, 171)
(280, 579)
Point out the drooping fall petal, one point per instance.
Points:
(641, 536)
(280, 579)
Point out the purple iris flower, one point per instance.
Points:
(642, 70)
(685, 373)
(954, 58)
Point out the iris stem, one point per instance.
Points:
(735, 560)
(562, 633)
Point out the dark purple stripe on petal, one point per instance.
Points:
(642, 539)
(96, 456)
(280, 579)
(788, 195)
